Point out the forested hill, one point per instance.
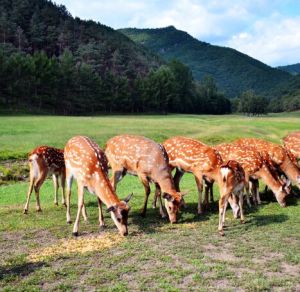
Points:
(53, 63)
(233, 71)
(35, 25)
(292, 69)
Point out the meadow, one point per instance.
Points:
(38, 251)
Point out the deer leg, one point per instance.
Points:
(232, 200)
(207, 189)
(32, 179)
(37, 187)
(117, 175)
(211, 192)
(161, 205)
(69, 179)
(177, 177)
(80, 206)
(198, 179)
(101, 218)
(63, 182)
(241, 203)
(55, 183)
(256, 190)
(247, 194)
(156, 194)
(147, 193)
(222, 210)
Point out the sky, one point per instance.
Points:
(267, 30)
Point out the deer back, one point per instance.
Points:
(292, 143)
(188, 154)
(49, 158)
(249, 159)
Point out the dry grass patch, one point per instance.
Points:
(79, 245)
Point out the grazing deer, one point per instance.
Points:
(148, 160)
(45, 160)
(86, 162)
(255, 167)
(188, 155)
(276, 154)
(292, 143)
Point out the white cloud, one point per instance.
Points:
(274, 41)
(259, 28)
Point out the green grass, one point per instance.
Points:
(261, 255)
(20, 134)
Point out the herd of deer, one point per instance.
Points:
(236, 168)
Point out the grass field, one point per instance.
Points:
(39, 253)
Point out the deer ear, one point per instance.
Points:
(128, 198)
(287, 183)
(168, 197)
(110, 209)
(183, 193)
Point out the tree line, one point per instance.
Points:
(66, 85)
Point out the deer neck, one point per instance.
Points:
(290, 169)
(166, 182)
(268, 178)
(104, 190)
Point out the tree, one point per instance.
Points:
(250, 103)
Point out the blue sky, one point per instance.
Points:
(268, 30)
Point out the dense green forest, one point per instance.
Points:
(233, 71)
(53, 63)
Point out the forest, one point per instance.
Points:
(51, 62)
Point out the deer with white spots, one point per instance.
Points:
(86, 162)
(292, 144)
(279, 157)
(45, 160)
(148, 160)
(188, 155)
(255, 167)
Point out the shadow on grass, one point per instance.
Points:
(23, 269)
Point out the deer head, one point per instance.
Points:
(119, 214)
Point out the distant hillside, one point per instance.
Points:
(233, 71)
(292, 69)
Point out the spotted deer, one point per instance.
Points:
(188, 155)
(277, 154)
(255, 167)
(86, 162)
(45, 160)
(292, 143)
(142, 157)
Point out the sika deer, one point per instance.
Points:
(292, 143)
(277, 154)
(86, 162)
(148, 160)
(45, 160)
(188, 155)
(255, 167)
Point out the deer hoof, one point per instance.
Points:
(69, 221)
(75, 234)
(64, 204)
(101, 228)
(39, 210)
(143, 215)
(25, 211)
(221, 232)
(243, 221)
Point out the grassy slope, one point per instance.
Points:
(260, 255)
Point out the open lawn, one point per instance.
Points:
(38, 251)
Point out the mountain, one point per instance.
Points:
(35, 25)
(292, 69)
(234, 72)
